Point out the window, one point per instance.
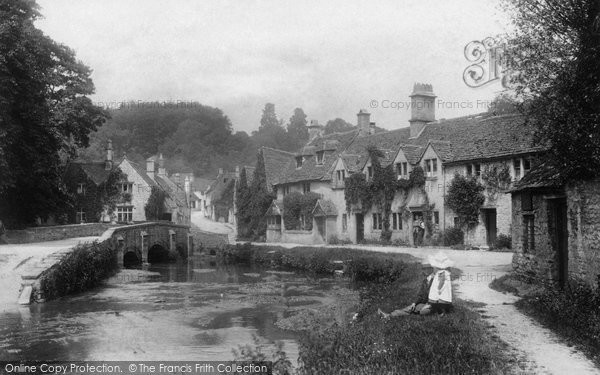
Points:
(436, 217)
(526, 165)
(469, 170)
(286, 190)
(344, 223)
(431, 167)
(396, 221)
(528, 233)
(369, 172)
(125, 214)
(377, 222)
(456, 221)
(402, 169)
(80, 216)
(320, 157)
(306, 187)
(517, 167)
(341, 175)
(477, 169)
(127, 188)
(298, 161)
(81, 189)
(274, 221)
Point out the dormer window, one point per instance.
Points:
(81, 189)
(320, 157)
(402, 170)
(431, 167)
(340, 175)
(369, 172)
(298, 161)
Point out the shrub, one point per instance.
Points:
(503, 241)
(453, 236)
(82, 269)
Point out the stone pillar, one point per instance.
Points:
(144, 248)
(190, 245)
(120, 249)
(172, 237)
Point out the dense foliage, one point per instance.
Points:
(297, 210)
(253, 202)
(453, 236)
(45, 114)
(465, 197)
(553, 57)
(84, 268)
(496, 178)
(95, 198)
(155, 207)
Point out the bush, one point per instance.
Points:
(453, 236)
(503, 241)
(82, 269)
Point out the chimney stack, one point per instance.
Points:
(186, 185)
(363, 122)
(372, 128)
(150, 167)
(108, 164)
(162, 172)
(314, 130)
(422, 103)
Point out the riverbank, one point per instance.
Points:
(459, 342)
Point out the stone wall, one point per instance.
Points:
(538, 264)
(53, 233)
(583, 211)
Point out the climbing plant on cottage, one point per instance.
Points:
(297, 210)
(379, 192)
(155, 207)
(465, 197)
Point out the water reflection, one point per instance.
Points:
(191, 311)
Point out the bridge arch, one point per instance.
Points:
(158, 253)
(132, 257)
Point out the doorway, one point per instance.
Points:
(360, 228)
(320, 221)
(557, 228)
(491, 227)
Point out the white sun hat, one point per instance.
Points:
(440, 260)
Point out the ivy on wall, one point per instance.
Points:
(496, 178)
(297, 210)
(465, 197)
(379, 192)
(155, 207)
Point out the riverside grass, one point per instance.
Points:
(456, 343)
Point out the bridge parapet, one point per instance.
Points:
(140, 238)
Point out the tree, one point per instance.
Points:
(155, 207)
(297, 131)
(242, 200)
(269, 118)
(337, 126)
(553, 56)
(44, 115)
(260, 199)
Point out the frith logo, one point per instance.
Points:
(488, 63)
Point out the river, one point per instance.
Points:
(194, 310)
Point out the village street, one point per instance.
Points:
(543, 350)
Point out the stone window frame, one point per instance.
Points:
(397, 221)
(528, 239)
(377, 221)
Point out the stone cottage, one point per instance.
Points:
(556, 228)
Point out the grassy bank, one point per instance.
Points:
(572, 312)
(82, 269)
(451, 344)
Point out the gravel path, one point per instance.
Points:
(542, 350)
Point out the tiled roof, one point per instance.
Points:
(541, 176)
(277, 163)
(201, 184)
(142, 172)
(476, 137)
(331, 145)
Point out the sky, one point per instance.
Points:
(330, 58)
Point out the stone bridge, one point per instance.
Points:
(136, 244)
(149, 242)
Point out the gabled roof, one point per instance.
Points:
(324, 207)
(95, 171)
(141, 171)
(412, 153)
(176, 196)
(277, 162)
(201, 184)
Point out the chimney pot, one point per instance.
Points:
(363, 121)
(422, 103)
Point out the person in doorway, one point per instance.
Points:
(421, 304)
(440, 292)
(416, 231)
(3, 240)
(421, 231)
